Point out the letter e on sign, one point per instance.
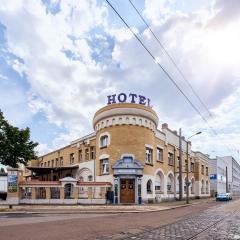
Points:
(142, 100)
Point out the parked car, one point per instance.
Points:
(223, 197)
(229, 196)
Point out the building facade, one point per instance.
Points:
(128, 151)
(225, 175)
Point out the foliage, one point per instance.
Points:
(15, 144)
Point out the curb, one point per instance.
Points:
(96, 212)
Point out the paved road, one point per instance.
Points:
(220, 222)
(200, 221)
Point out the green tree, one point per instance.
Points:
(15, 144)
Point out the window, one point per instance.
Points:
(170, 158)
(149, 155)
(71, 158)
(178, 161)
(128, 159)
(86, 154)
(81, 179)
(170, 183)
(202, 187)
(80, 155)
(90, 178)
(159, 154)
(149, 186)
(104, 166)
(202, 169)
(41, 164)
(192, 186)
(57, 162)
(48, 164)
(206, 171)
(45, 164)
(192, 167)
(92, 152)
(52, 163)
(104, 141)
(61, 161)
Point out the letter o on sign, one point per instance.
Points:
(122, 97)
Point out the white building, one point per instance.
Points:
(225, 175)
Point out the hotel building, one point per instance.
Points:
(126, 154)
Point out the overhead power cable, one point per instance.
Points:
(171, 59)
(166, 73)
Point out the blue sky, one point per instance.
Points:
(60, 59)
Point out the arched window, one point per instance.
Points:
(81, 179)
(202, 187)
(149, 186)
(192, 186)
(207, 187)
(170, 183)
(104, 141)
(159, 182)
(185, 186)
(177, 184)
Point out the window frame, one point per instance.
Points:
(148, 155)
(172, 158)
(104, 141)
(159, 153)
(104, 166)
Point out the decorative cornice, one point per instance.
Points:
(125, 120)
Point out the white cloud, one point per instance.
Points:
(68, 84)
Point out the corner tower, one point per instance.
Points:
(123, 131)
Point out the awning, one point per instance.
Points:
(46, 170)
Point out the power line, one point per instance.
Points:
(171, 59)
(165, 71)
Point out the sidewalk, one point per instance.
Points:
(101, 209)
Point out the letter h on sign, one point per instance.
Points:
(111, 99)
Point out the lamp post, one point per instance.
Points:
(187, 180)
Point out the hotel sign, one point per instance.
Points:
(128, 98)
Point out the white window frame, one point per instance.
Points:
(149, 155)
(170, 154)
(108, 140)
(159, 159)
(104, 166)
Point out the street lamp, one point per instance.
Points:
(187, 180)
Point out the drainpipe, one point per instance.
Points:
(174, 172)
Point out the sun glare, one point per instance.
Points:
(223, 46)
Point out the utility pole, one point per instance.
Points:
(180, 165)
(187, 168)
(226, 180)
(187, 180)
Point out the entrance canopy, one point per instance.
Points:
(128, 166)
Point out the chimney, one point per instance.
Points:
(164, 125)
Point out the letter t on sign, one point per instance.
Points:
(133, 96)
(111, 99)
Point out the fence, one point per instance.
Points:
(43, 192)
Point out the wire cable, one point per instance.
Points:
(171, 59)
(166, 73)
